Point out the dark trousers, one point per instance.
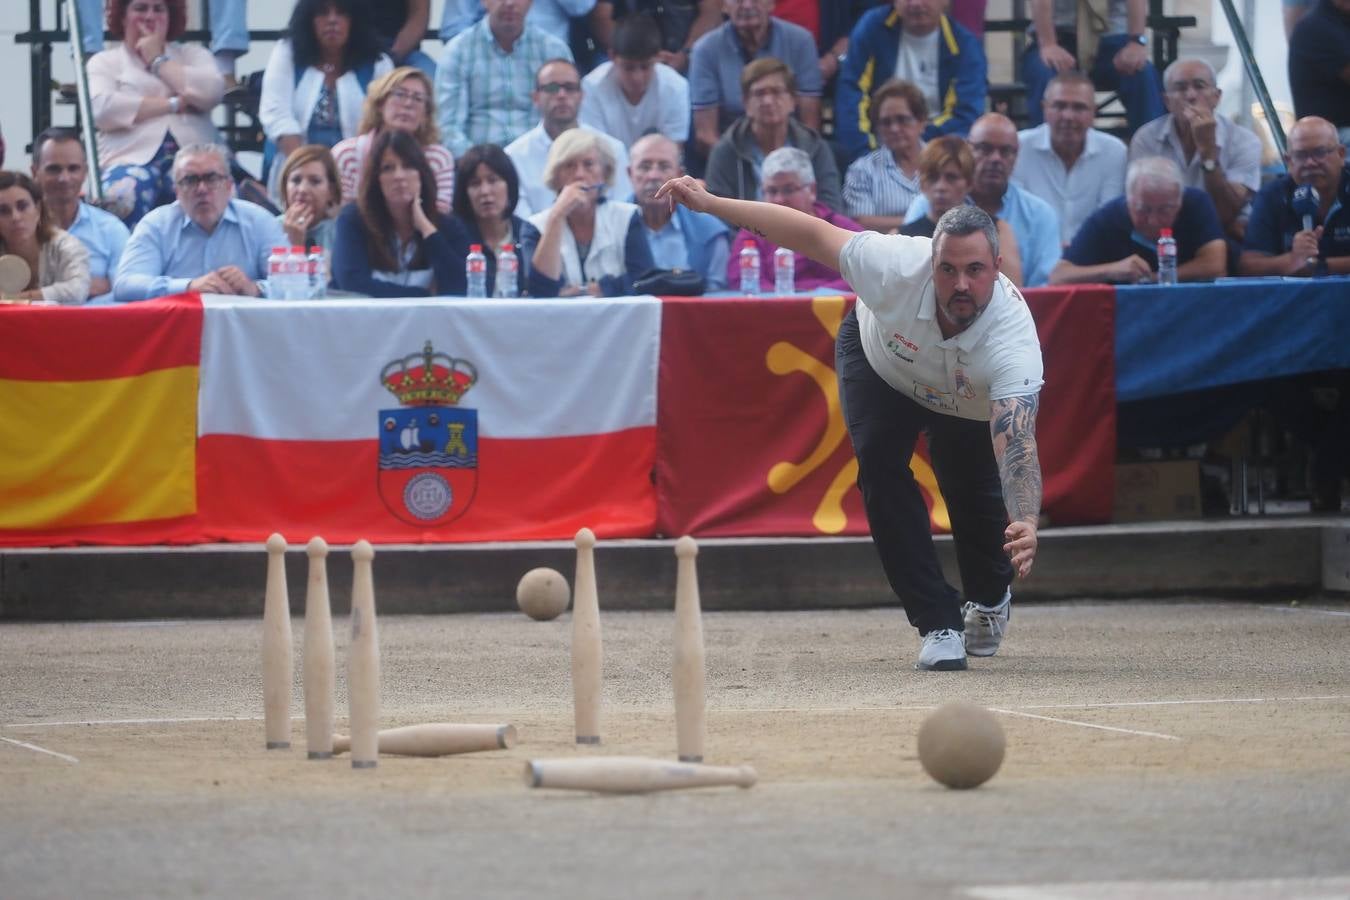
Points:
(884, 425)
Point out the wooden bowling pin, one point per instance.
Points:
(363, 662)
(631, 774)
(587, 653)
(276, 649)
(689, 667)
(438, 739)
(320, 683)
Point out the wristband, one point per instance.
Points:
(157, 62)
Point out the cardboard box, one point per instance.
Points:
(1153, 491)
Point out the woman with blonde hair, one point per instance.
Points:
(588, 244)
(402, 100)
(57, 261)
(310, 196)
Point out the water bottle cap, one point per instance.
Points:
(316, 249)
(279, 250)
(297, 249)
(508, 248)
(475, 248)
(1164, 232)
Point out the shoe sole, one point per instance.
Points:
(943, 665)
(970, 652)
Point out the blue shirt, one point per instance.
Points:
(670, 250)
(1108, 234)
(717, 58)
(1033, 221)
(1273, 224)
(167, 250)
(104, 236)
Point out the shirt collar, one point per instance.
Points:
(231, 215)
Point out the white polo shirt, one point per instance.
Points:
(664, 107)
(997, 357)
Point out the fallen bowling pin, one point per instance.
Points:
(277, 667)
(363, 662)
(587, 653)
(631, 774)
(689, 668)
(438, 739)
(320, 681)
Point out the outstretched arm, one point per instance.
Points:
(1013, 429)
(785, 227)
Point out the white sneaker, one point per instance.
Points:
(986, 626)
(942, 651)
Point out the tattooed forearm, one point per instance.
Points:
(1013, 429)
(753, 229)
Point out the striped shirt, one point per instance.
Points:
(350, 156)
(875, 186)
(483, 92)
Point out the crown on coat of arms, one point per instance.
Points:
(428, 378)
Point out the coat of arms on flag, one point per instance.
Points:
(428, 465)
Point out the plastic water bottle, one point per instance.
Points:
(508, 272)
(297, 276)
(749, 268)
(784, 271)
(475, 271)
(316, 272)
(276, 273)
(1167, 257)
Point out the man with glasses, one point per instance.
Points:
(485, 76)
(207, 240)
(1279, 241)
(1214, 153)
(993, 142)
(1119, 242)
(557, 96)
(679, 238)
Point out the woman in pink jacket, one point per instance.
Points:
(150, 95)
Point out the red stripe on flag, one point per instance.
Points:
(527, 490)
(88, 343)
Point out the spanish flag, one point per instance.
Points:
(98, 414)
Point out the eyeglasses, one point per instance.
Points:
(1312, 154)
(210, 179)
(1007, 151)
(560, 87)
(896, 121)
(1199, 85)
(772, 192)
(408, 96)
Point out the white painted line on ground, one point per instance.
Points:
(1201, 702)
(1334, 888)
(38, 749)
(141, 721)
(1154, 734)
(1307, 609)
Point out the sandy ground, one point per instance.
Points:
(1189, 749)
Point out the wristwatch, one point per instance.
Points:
(1140, 39)
(1209, 165)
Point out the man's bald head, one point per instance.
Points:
(993, 140)
(993, 124)
(1313, 128)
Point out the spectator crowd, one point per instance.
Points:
(546, 127)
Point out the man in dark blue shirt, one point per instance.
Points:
(1277, 243)
(1319, 64)
(1119, 242)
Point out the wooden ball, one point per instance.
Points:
(961, 745)
(543, 594)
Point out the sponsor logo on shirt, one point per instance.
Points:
(901, 339)
(933, 397)
(963, 386)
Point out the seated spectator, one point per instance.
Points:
(316, 79)
(207, 240)
(1119, 242)
(1279, 241)
(1032, 226)
(557, 96)
(228, 24)
(486, 74)
(1215, 154)
(769, 95)
(393, 242)
(1319, 65)
(57, 262)
(634, 94)
(946, 174)
(549, 16)
(486, 191)
(587, 243)
(682, 23)
(311, 198)
(682, 238)
(1114, 54)
(720, 56)
(829, 22)
(60, 170)
(790, 180)
(399, 101)
(399, 27)
(1065, 161)
(150, 95)
(911, 40)
(879, 187)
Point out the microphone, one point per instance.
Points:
(1305, 203)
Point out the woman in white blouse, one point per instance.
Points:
(150, 95)
(57, 260)
(316, 79)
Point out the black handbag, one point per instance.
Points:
(671, 282)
